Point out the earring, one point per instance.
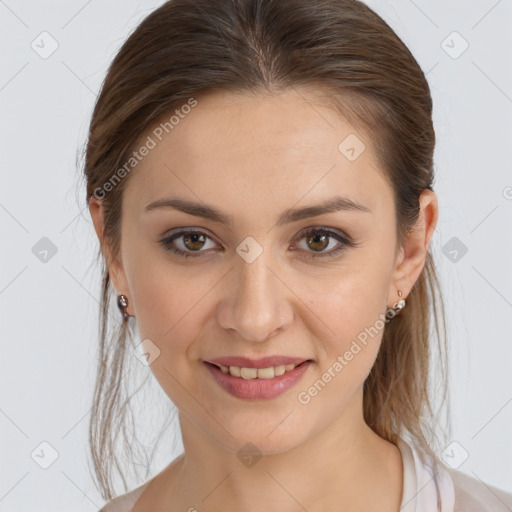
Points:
(122, 302)
(398, 306)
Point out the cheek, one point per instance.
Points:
(170, 313)
(354, 313)
(348, 302)
(166, 298)
(348, 322)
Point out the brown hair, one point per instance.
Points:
(188, 47)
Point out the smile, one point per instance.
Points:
(258, 373)
(257, 383)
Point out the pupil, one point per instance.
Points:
(322, 238)
(194, 237)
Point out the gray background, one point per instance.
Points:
(49, 302)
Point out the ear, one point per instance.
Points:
(115, 269)
(412, 255)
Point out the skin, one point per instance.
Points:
(284, 150)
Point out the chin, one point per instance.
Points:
(263, 437)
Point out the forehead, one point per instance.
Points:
(272, 147)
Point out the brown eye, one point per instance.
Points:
(194, 241)
(186, 243)
(317, 240)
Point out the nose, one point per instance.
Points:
(255, 303)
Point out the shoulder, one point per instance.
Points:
(125, 502)
(474, 495)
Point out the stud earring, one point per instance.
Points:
(398, 306)
(122, 302)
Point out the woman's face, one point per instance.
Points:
(257, 286)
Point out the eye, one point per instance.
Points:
(190, 241)
(317, 239)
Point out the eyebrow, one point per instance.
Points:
(212, 213)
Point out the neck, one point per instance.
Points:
(346, 463)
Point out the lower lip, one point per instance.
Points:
(257, 388)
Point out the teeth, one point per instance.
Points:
(258, 373)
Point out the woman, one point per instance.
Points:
(259, 174)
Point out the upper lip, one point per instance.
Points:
(264, 362)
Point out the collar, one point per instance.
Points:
(427, 487)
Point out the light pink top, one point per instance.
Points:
(424, 489)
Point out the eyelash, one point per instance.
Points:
(345, 243)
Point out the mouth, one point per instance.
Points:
(260, 372)
(264, 382)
